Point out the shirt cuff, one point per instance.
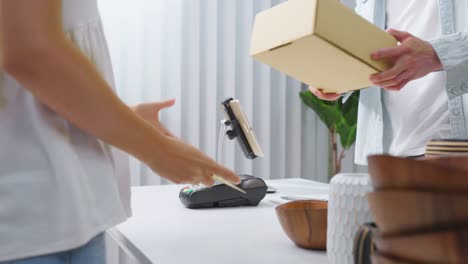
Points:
(452, 51)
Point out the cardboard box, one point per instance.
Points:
(321, 43)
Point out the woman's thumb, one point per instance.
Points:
(165, 104)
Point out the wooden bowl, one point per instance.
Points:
(379, 259)
(400, 212)
(449, 174)
(305, 223)
(458, 161)
(436, 247)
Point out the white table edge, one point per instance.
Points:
(124, 244)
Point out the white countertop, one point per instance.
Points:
(163, 231)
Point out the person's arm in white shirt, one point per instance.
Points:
(38, 55)
(452, 51)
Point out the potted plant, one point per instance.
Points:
(340, 117)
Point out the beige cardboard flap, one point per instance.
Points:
(342, 27)
(282, 24)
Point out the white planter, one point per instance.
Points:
(347, 210)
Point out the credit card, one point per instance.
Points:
(223, 181)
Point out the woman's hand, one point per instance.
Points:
(324, 96)
(182, 163)
(150, 113)
(413, 58)
(178, 161)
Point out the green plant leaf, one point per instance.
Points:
(347, 130)
(350, 108)
(328, 112)
(347, 134)
(336, 115)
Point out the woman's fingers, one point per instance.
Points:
(181, 162)
(207, 179)
(164, 104)
(224, 173)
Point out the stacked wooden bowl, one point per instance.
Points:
(445, 147)
(420, 208)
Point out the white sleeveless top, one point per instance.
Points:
(59, 186)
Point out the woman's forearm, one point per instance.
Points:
(64, 80)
